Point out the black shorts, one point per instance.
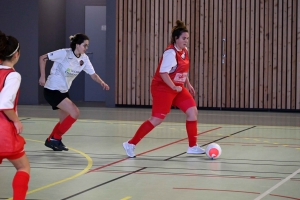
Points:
(54, 97)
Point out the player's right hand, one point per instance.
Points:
(178, 88)
(42, 81)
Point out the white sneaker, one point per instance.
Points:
(129, 148)
(195, 150)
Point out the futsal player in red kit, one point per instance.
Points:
(167, 89)
(11, 143)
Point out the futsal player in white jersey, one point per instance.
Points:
(68, 63)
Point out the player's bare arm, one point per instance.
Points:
(97, 78)
(14, 118)
(166, 78)
(42, 61)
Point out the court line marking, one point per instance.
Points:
(214, 140)
(86, 169)
(218, 190)
(277, 185)
(126, 198)
(273, 186)
(228, 125)
(118, 161)
(175, 111)
(134, 172)
(69, 197)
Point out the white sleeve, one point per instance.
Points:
(57, 56)
(168, 61)
(88, 68)
(9, 91)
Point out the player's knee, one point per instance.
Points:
(26, 168)
(75, 112)
(155, 121)
(192, 113)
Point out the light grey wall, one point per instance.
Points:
(52, 32)
(20, 20)
(75, 23)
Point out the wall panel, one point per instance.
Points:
(259, 39)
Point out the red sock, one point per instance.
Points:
(55, 130)
(191, 128)
(64, 127)
(20, 185)
(144, 129)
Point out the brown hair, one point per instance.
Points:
(77, 39)
(8, 47)
(178, 30)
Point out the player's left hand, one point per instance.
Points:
(191, 89)
(104, 86)
(19, 126)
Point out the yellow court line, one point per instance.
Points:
(126, 198)
(86, 169)
(284, 145)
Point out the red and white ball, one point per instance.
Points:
(213, 150)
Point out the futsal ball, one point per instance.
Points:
(213, 150)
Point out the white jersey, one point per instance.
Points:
(65, 68)
(10, 89)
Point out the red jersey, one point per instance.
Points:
(10, 141)
(178, 73)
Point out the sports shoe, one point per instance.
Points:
(56, 145)
(129, 148)
(195, 150)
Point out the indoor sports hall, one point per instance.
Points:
(244, 67)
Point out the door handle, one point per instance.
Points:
(223, 50)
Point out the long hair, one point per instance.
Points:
(177, 30)
(77, 39)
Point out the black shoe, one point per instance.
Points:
(56, 145)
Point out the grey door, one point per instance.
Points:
(95, 29)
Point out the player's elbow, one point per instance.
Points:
(43, 58)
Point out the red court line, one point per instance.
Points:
(256, 137)
(286, 197)
(215, 190)
(267, 138)
(249, 143)
(118, 161)
(195, 175)
(176, 142)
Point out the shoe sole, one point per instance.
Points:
(194, 153)
(52, 147)
(126, 152)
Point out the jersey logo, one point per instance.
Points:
(183, 56)
(81, 62)
(180, 77)
(69, 72)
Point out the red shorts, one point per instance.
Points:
(163, 101)
(12, 156)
